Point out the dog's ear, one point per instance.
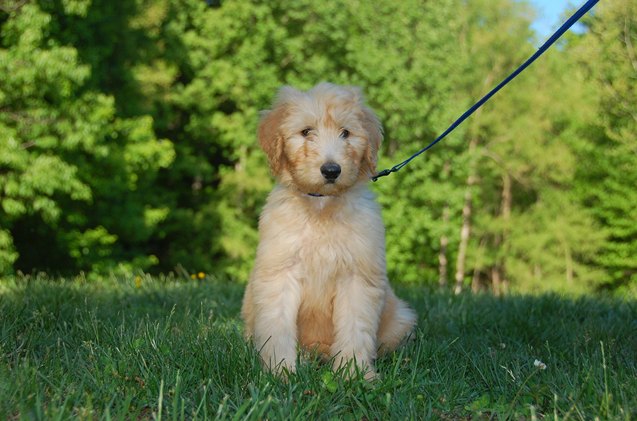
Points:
(271, 138)
(374, 130)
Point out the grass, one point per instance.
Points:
(172, 349)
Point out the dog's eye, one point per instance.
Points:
(345, 133)
(306, 132)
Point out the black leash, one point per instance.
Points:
(562, 29)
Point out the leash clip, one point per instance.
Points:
(383, 173)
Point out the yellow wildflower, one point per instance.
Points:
(138, 281)
(201, 275)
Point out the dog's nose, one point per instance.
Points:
(330, 171)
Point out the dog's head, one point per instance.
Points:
(322, 141)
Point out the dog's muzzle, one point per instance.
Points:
(330, 171)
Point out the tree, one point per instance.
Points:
(228, 71)
(606, 52)
(72, 166)
(521, 164)
(128, 135)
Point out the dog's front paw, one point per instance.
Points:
(284, 367)
(371, 375)
(279, 365)
(351, 369)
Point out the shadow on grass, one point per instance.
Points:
(547, 324)
(440, 312)
(472, 354)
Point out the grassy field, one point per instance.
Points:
(172, 349)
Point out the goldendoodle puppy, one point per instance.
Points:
(319, 280)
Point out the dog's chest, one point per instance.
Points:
(321, 249)
(322, 243)
(328, 251)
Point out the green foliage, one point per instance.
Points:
(38, 103)
(607, 53)
(530, 226)
(127, 132)
(75, 176)
(143, 347)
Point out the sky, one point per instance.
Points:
(550, 14)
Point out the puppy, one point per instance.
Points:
(319, 279)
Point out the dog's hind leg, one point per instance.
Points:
(396, 323)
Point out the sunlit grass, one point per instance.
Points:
(143, 347)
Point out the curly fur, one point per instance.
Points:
(319, 279)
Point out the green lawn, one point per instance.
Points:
(173, 349)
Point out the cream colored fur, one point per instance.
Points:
(319, 280)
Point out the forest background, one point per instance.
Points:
(127, 136)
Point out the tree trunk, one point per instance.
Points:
(444, 240)
(466, 228)
(465, 231)
(496, 280)
(506, 218)
(499, 281)
(569, 264)
(442, 255)
(475, 279)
